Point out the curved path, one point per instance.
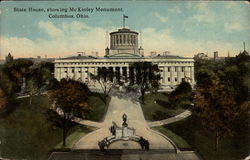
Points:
(176, 118)
(117, 108)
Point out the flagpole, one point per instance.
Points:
(123, 22)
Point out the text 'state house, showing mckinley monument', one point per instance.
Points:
(124, 50)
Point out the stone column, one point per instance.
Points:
(192, 74)
(161, 73)
(75, 73)
(135, 40)
(171, 75)
(64, 74)
(82, 74)
(59, 70)
(111, 41)
(56, 73)
(68, 72)
(117, 39)
(120, 70)
(135, 74)
(164, 75)
(178, 74)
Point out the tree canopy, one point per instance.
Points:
(106, 78)
(70, 98)
(181, 96)
(222, 93)
(146, 75)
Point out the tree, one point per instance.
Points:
(145, 75)
(46, 69)
(70, 98)
(32, 88)
(6, 84)
(181, 96)
(216, 108)
(16, 70)
(3, 100)
(106, 79)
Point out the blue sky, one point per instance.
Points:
(183, 28)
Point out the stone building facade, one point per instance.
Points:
(122, 53)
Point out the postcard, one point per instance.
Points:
(132, 80)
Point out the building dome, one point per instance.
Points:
(124, 39)
(123, 42)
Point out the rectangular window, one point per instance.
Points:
(168, 79)
(175, 79)
(168, 69)
(182, 69)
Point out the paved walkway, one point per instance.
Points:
(176, 118)
(117, 108)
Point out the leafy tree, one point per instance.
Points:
(216, 108)
(106, 78)
(53, 83)
(3, 100)
(46, 69)
(145, 75)
(6, 84)
(223, 93)
(236, 76)
(32, 88)
(181, 96)
(70, 98)
(16, 70)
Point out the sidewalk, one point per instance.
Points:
(176, 118)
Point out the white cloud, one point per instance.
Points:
(162, 40)
(70, 38)
(231, 5)
(230, 27)
(64, 40)
(175, 9)
(50, 29)
(205, 14)
(163, 19)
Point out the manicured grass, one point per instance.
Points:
(230, 148)
(153, 111)
(179, 141)
(25, 133)
(98, 107)
(75, 134)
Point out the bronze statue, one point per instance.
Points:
(124, 117)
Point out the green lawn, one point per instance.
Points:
(178, 140)
(25, 133)
(153, 111)
(191, 131)
(98, 107)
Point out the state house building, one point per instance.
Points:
(124, 51)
